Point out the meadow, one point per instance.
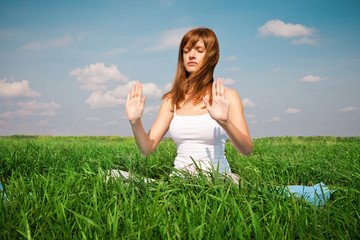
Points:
(56, 188)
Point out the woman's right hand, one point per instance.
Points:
(135, 103)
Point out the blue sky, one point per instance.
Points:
(66, 66)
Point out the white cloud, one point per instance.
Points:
(60, 42)
(121, 91)
(112, 123)
(92, 119)
(275, 69)
(118, 96)
(169, 39)
(151, 109)
(38, 105)
(231, 58)
(235, 69)
(44, 123)
(249, 115)
(304, 40)
(292, 110)
(248, 103)
(275, 119)
(96, 76)
(278, 28)
(167, 87)
(103, 100)
(348, 109)
(33, 108)
(151, 90)
(312, 78)
(16, 89)
(227, 81)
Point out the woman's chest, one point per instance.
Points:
(200, 128)
(189, 109)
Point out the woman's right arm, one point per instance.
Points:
(135, 103)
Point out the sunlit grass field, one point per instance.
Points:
(56, 188)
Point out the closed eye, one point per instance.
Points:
(186, 50)
(200, 49)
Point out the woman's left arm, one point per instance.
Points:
(227, 110)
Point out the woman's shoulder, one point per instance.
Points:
(234, 98)
(167, 104)
(232, 93)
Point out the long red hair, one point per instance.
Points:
(199, 83)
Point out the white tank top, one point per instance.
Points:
(199, 138)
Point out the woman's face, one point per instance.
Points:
(193, 56)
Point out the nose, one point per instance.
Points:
(192, 54)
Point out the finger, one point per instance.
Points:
(140, 90)
(136, 89)
(222, 89)
(206, 102)
(143, 100)
(218, 86)
(225, 93)
(128, 96)
(133, 91)
(214, 88)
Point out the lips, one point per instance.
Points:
(192, 63)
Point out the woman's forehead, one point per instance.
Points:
(195, 43)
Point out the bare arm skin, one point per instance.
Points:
(227, 110)
(135, 103)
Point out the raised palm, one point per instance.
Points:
(219, 110)
(135, 103)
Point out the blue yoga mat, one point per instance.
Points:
(317, 194)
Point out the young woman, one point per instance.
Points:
(199, 113)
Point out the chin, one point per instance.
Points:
(191, 71)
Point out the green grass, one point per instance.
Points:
(56, 189)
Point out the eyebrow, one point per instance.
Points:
(196, 47)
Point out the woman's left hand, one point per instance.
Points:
(219, 110)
